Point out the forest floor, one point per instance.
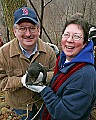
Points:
(6, 112)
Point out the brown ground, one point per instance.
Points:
(7, 114)
(5, 111)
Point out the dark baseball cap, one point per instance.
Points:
(25, 13)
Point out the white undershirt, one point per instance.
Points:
(67, 61)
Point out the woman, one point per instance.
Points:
(72, 91)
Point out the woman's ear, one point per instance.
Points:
(84, 45)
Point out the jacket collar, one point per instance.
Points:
(15, 49)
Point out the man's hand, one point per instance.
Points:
(35, 75)
(23, 80)
(35, 88)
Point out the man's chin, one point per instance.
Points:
(29, 43)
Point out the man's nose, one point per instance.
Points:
(28, 32)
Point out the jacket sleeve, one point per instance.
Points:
(70, 102)
(8, 81)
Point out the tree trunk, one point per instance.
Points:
(9, 6)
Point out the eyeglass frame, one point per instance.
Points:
(66, 37)
(31, 29)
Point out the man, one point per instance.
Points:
(15, 58)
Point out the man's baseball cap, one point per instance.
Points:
(25, 13)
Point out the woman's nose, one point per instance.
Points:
(70, 39)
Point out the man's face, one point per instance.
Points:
(27, 34)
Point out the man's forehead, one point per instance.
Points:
(26, 20)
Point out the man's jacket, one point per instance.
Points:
(13, 65)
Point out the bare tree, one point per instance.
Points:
(41, 17)
(9, 6)
(52, 14)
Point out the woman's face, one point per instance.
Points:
(72, 41)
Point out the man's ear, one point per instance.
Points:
(14, 31)
(39, 29)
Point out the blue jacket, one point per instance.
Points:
(75, 98)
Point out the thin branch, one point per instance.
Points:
(34, 9)
(40, 21)
(47, 3)
(41, 18)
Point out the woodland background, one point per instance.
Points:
(52, 15)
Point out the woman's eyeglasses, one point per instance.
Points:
(75, 37)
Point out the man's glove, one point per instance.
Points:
(35, 88)
(23, 80)
(55, 48)
(35, 75)
(92, 35)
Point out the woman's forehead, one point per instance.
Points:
(74, 28)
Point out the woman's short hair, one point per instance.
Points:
(79, 20)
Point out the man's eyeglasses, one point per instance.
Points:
(75, 37)
(24, 29)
